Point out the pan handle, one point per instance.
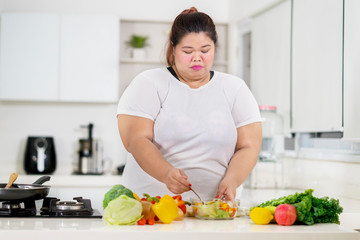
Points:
(42, 180)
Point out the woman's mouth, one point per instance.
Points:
(197, 67)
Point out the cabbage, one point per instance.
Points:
(123, 211)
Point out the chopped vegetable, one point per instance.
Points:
(310, 209)
(215, 209)
(180, 216)
(115, 192)
(166, 209)
(180, 203)
(150, 199)
(123, 211)
(147, 211)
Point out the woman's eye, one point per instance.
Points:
(187, 52)
(205, 51)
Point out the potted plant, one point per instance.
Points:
(138, 44)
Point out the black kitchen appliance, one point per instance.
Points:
(40, 156)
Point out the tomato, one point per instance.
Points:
(142, 221)
(150, 221)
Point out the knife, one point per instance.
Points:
(195, 193)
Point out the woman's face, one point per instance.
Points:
(194, 56)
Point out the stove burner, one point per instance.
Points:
(14, 209)
(55, 207)
(69, 205)
(9, 205)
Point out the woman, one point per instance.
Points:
(187, 126)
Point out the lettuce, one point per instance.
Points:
(310, 209)
(123, 211)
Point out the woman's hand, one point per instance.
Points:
(176, 181)
(227, 189)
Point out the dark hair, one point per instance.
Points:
(189, 21)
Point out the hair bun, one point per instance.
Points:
(190, 10)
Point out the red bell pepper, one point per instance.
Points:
(180, 202)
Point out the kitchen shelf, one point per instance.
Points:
(140, 61)
(158, 33)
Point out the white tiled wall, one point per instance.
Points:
(326, 177)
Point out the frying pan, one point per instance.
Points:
(21, 192)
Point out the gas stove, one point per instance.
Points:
(51, 208)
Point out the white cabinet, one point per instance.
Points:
(50, 57)
(29, 56)
(270, 59)
(89, 58)
(352, 70)
(317, 65)
(158, 35)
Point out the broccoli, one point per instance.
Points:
(115, 192)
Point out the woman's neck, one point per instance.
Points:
(193, 83)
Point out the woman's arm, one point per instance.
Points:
(246, 154)
(137, 135)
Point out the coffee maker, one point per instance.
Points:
(90, 152)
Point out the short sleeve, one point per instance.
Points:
(140, 98)
(245, 109)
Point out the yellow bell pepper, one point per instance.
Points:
(136, 196)
(166, 209)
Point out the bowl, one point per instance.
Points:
(215, 209)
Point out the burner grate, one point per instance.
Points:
(15, 209)
(55, 207)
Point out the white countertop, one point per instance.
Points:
(190, 228)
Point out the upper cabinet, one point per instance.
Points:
(89, 58)
(47, 57)
(270, 59)
(317, 42)
(29, 55)
(352, 70)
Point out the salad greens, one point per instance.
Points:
(310, 209)
(115, 192)
(123, 211)
(215, 209)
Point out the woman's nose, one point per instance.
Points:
(197, 57)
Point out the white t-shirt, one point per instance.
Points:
(194, 129)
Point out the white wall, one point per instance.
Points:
(240, 10)
(19, 120)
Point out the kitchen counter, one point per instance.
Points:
(190, 228)
(94, 187)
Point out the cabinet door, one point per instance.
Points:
(270, 59)
(317, 65)
(89, 58)
(29, 56)
(352, 71)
